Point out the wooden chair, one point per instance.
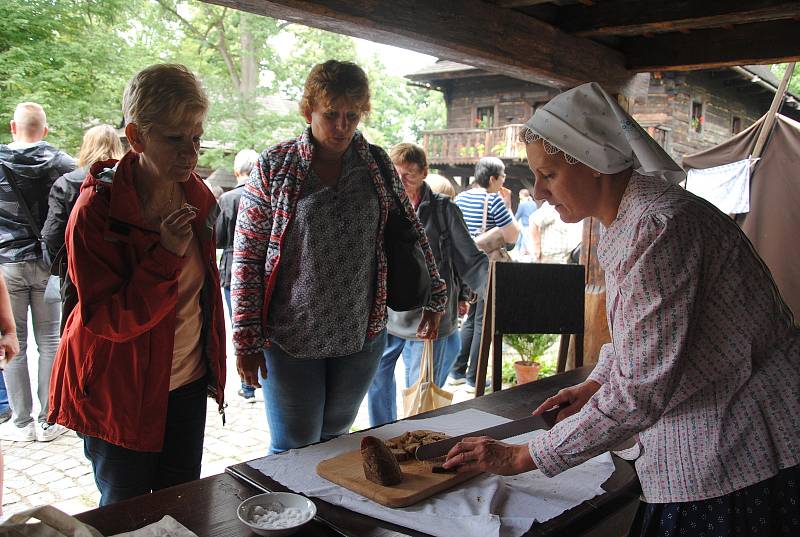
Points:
(530, 298)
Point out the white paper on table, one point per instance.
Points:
(483, 506)
(166, 527)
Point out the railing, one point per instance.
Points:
(467, 146)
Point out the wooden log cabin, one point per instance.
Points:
(563, 43)
(685, 112)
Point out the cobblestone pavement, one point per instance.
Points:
(57, 473)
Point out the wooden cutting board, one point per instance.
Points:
(418, 480)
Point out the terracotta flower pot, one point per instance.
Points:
(526, 371)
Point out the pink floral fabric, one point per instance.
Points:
(704, 360)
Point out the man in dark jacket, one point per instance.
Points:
(243, 164)
(34, 165)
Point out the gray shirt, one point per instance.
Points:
(326, 278)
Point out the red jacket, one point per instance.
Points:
(111, 373)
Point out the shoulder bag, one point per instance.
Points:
(408, 282)
(492, 241)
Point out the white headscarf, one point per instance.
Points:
(587, 124)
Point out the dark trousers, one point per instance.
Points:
(770, 508)
(467, 361)
(122, 473)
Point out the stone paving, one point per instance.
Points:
(57, 473)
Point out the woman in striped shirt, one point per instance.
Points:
(483, 198)
(704, 357)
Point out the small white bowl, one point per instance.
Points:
(286, 499)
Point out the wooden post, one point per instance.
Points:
(487, 331)
(772, 113)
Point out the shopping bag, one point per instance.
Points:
(424, 395)
(52, 523)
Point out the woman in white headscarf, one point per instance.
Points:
(704, 358)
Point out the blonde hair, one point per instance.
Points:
(167, 94)
(409, 154)
(244, 161)
(99, 143)
(30, 118)
(441, 184)
(333, 80)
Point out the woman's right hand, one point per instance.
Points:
(176, 230)
(571, 399)
(248, 366)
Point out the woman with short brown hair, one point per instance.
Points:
(309, 267)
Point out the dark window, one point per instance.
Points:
(736, 125)
(660, 135)
(696, 120)
(484, 117)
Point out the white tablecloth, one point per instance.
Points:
(481, 507)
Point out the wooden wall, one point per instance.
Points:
(513, 100)
(669, 101)
(666, 110)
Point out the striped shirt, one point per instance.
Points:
(471, 203)
(704, 359)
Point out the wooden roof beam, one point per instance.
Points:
(759, 43)
(469, 31)
(625, 18)
(520, 3)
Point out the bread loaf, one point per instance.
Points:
(380, 466)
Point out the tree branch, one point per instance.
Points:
(222, 47)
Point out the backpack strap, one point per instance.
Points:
(439, 205)
(34, 225)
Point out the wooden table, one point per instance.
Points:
(208, 506)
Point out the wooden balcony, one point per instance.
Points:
(467, 146)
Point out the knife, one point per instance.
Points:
(498, 432)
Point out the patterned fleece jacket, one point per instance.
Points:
(267, 206)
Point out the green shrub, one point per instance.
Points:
(533, 348)
(530, 346)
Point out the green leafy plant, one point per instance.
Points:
(499, 149)
(532, 348)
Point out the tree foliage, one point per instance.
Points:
(66, 56)
(794, 82)
(75, 56)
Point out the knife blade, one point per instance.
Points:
(498, 432)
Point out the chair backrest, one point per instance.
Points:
(532, 298)
(538, 298)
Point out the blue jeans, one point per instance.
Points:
(382, 402)
(313, 400)
(122, 473)
(246, 388)
(4, 406)
(26, 281)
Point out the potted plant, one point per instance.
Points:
(530, 347)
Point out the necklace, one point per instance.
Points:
(159, 212)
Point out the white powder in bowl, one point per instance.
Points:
(277, 516)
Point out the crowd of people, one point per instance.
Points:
(303, 273)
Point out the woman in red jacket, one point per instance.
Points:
(145, 344)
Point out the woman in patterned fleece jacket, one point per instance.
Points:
(309, 268)
(704, 358)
